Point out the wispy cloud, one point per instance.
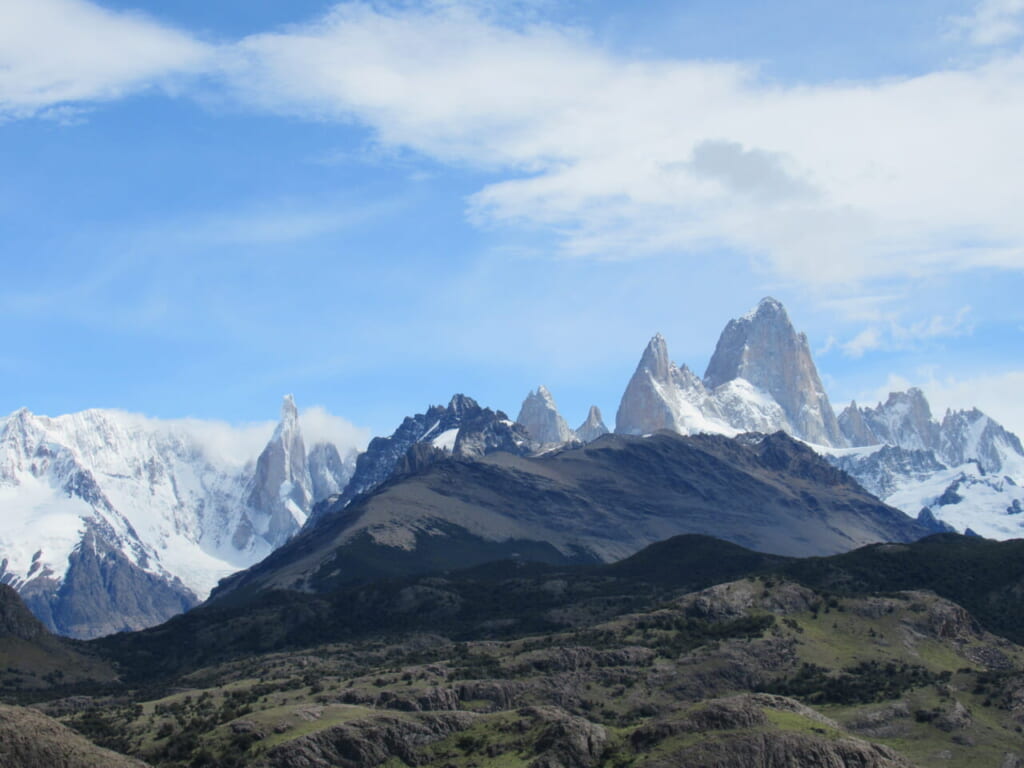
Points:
(994, 22)
(626, 156)
(892, 334)
(56, 53)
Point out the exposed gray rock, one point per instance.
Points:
(282, 487)
(328, 471)
(904, 421)
(971, 435)
(540, 417)
(366, 743)
(593, 427)
(461, 429)
(764, 349)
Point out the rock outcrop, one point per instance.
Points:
(462, 428)
(540, 417)
(282, 487)
(593, 427)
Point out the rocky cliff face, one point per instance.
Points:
(540, 417)
(461, 429)
(760, 379)
(281, 490)
(660, 395)
(765, 350)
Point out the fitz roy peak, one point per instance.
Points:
(761, 378)
(115, 521)
(765, 350)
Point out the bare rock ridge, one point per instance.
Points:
(462, 428)
(763, 348)
(966, 471)
(540, 416)
(905, 421)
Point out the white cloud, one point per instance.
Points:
(238, 444)
(320, 426)
(54, 53)
(994, 22)
(625, 156)
(618, 156)
(889, 333)
(998, 395)
(865, 341)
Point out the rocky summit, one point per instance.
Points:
(462, 428)
(761, 378)
(764, 349)
(540, 417)
(593, 427)
(965, 472)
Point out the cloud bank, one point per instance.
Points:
(615, 156)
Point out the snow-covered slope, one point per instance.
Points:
(967, 471)
(159, 505)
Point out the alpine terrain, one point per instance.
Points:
(114, 521)
(965, 472)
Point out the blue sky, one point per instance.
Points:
(206, 205)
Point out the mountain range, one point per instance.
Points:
(114, 521)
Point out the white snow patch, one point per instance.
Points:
(446, 440)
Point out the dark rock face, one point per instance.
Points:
(104, 592)
(765, 349)
(16, 620)
(480, 431)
